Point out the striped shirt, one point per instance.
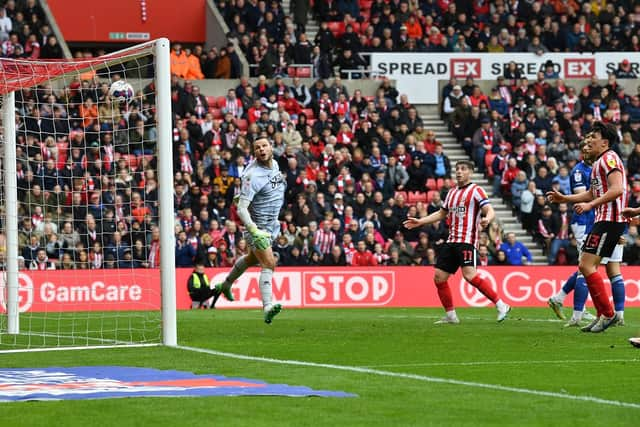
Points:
(324, 241)
(463, 205)
(606, 163)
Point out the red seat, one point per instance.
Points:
(370, 98)
(242, 124)
(417, 196)
(431, 183)
(365, 24)
(217, 113)
(211, 100)
(337, 28)
(311, 121)
(221, 101)
(365, 5)
(439, 183)
(303, 72)
(309, 113)
(356, 27)
(292, 71)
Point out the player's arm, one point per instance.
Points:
(615, 190)
(558, 197)
(487, 215)
(631, 212)
(412, 222)
(243, 213)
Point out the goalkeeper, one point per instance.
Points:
(261, 197)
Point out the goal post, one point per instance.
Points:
(87, 220)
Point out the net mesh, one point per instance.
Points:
(86, 161)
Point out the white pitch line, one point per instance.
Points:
(504, 362)
(369, 371)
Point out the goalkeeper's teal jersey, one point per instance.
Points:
(264, 188)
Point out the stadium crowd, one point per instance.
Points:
(25, 32)
(273, 39)
(525, 137)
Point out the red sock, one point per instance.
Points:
(485, 287)
(444, 293)
(598, 293)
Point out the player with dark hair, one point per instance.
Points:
(608, 196)
(581, 225)
(261, 197)
(469, 211)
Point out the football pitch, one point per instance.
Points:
(406, 371)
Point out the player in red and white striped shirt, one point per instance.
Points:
(608, 197)
(469, 211)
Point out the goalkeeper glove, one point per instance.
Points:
(261, 239)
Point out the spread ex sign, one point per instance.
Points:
(465, 67)
(575, 68)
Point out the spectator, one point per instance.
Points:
(363, 257)
(437, 163)
(624, 70)
(198, 287)
(484, 140)
(336, 258)
(179, 62)
(516, 253)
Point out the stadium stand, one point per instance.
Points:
(356, 163)
(25, 32)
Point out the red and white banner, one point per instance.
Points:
(106, 290)
(417, 74)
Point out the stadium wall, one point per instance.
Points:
(100, 290)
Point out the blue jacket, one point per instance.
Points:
(184, 255)
(515, 253)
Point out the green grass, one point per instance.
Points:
(529, 351)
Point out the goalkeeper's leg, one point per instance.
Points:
(238, 268)
(268, 263)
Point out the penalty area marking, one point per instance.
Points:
(424, 378)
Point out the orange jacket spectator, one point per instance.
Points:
(223, 66)
(562, 6)
(88, 112)
(224, 181)
(414, 29)
(179, 62)
(194, 72)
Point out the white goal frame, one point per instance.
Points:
(160, 48)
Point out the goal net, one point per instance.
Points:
(86, 201)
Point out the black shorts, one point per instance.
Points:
(202, 294)
(455, 255)
(603, 238)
